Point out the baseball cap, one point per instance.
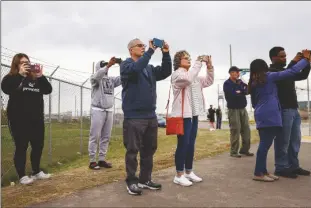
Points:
(234, 69)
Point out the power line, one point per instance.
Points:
(28, 56)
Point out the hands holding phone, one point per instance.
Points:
(208, 60)
(157, 43)
(34, 70)
(24, 69)
(306, 54)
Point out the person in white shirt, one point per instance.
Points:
(187, 82)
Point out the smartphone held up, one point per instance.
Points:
(35, 68)
(158, 42)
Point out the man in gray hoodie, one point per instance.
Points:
(101, 112)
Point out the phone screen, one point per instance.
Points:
(158, 43)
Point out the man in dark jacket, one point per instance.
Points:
(288, 144)
(140, 126)
(235, 94)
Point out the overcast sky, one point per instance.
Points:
(74, 34)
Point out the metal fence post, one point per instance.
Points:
(58, 101)
(50, 118)
(81, 116)
(81, 120)
(50, 126)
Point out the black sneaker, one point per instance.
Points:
(300, 171)
(286, 173)
(133, 189)
(104, 164)
(150, 185)
(247, 154)
(94, 166)
(235, 155)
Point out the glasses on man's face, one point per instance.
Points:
(140, 45)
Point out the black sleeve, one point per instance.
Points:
(11, 83)
(303, 74)
(44, 85)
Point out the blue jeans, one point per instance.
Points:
(287, 145)
(185, 145)
(267, 135)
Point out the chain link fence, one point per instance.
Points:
(67, 124)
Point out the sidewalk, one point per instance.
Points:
(227, 182)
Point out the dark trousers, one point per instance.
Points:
(139, 135)
(218, 124)
(267, 135)
(24, 132)
(186, 144)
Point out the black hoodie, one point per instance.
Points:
(286, 88)
(25, 97)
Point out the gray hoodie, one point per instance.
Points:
(103, 88)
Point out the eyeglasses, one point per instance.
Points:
(140, 46)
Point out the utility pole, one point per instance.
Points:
(93, 67)
(230, 55)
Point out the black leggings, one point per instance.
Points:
(23, 133)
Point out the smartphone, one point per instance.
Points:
(118, 60)
(34, 68)
(158, 43)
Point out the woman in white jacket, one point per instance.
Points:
(183, 78)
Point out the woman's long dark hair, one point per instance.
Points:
(258, 70)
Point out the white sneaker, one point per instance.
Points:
(182, 180)
(41, 176)
(26, 180)
(193, 177)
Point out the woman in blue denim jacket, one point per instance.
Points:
(267, 113)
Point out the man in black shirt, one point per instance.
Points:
(211, 116)
(288, 144)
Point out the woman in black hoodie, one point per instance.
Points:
(26, 86)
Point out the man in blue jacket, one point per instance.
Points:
(235, 94)
(140, 126)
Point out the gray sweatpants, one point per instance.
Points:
(101, 125)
